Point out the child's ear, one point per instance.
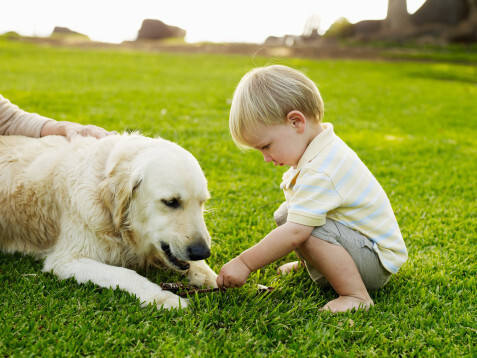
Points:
(298, 120)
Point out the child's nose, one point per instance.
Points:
(267, 158)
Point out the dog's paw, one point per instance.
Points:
(166, 300)
(202, 279)
(201, 275)
(211, 281)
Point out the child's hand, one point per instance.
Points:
(233, 274)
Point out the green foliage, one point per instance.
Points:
(413, 124)
(341, 28)
(10, 35)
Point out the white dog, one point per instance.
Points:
(94, 208)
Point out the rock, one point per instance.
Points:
(368, 27)
(157, 30)
(287, 40)
(397, 17)
(449, 12)
(435, 22)
(58, 30)
(274, 41)
(466, 31)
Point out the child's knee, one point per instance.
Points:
(373, 274)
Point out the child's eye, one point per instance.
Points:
(266, 146)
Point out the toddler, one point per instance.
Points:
(336, 216)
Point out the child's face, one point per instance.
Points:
(282, 144)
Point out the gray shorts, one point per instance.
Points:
(359, 247)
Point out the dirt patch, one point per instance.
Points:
(325, 49)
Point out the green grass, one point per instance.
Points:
(413, 124)
(457, 53)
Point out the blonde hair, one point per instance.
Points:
(266, 95)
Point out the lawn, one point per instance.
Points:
(413, 124)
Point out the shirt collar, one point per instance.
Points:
(317, 145)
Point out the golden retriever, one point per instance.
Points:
(97, 209)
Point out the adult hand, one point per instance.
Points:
(233, 274)
(89, 130)
(71, 130)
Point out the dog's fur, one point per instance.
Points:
(96, 209)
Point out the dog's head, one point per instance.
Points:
(155, 191)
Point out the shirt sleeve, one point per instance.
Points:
(314, 195)
(14, 121)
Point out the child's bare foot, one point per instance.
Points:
(346, 303)
(288, 267)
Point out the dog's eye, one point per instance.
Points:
(172, 203)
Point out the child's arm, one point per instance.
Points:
(274, 246)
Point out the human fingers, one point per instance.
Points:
(74, 131)
(71, 134)
(94, 131)
(230, 284)
(223, 281)
(220, 280)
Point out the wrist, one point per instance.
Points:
(245, 263)
(53, 128)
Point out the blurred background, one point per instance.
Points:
(270, 22)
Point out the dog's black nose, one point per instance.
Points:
(198, 252)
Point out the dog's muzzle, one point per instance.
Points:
(198, 252)
(181, 265)
(195, 252)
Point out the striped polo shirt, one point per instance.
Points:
(331, 181)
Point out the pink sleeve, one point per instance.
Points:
(14, 121)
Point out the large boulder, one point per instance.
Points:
(397, 17)
(368, 27)
(157, 30)
(449, 12)
(64, 31)
(466, 31)
(450, 20)
(437, 21)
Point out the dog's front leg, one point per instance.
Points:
(84, 270)
(200, 274)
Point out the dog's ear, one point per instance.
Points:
(116, 192)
